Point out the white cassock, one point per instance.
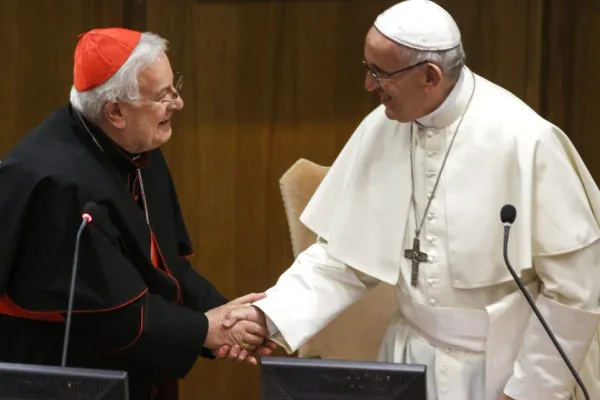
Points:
(465, 320)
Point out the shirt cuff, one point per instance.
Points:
(271, 327)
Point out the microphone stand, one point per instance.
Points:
(539, 315)
(86, 219)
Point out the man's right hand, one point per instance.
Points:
(235, 353)
(248, 334)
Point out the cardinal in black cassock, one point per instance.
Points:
(138, 304)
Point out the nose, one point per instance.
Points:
(371, 83)
(178, 103)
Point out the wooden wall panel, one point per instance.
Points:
(570, 73)
(38, 39)
(502, 39)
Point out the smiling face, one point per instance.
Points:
(146, 125)
(406, 89)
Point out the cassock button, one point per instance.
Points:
(431, 174)
(432, 302)
(431, 282)
(430, 134)
(432, 239)
(447, 350)
(430, 216)
(430, 153)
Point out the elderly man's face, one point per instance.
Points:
(403, 86)
(148, 122)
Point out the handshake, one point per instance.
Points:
(238, 331)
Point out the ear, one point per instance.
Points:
(433, 75)
(114, 114)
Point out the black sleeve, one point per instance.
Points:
(15, 194)
(151, 332)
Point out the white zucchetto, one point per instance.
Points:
(419, 24)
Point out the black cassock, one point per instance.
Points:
(138, 305)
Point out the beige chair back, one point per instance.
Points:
(357, 333)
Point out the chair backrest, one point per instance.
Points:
(297, 186)
(357, 333)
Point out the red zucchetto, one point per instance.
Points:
(100, 53)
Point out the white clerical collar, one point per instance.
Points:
(454, 105)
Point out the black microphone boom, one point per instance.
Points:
(508, 215)
(88, 210)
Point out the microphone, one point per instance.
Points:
(88, 211)
(508, 214)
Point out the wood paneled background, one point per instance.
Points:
(268, 82)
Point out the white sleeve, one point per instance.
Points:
(569, 302)
(309, 295)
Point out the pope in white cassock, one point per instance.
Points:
(429, 170)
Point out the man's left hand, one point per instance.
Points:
(505, 397)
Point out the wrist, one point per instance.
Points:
(266, 321)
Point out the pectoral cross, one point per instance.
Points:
(417, 256)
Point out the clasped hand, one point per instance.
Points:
(238, 330)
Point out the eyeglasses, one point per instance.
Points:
(178, 78)
(379, 78)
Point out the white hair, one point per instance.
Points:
(123, 85)
(450, 61)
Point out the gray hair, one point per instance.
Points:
(450, 61)
(123, 85)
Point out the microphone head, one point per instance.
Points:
(89, 209)
(508, 214)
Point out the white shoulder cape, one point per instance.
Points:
(504, 153)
